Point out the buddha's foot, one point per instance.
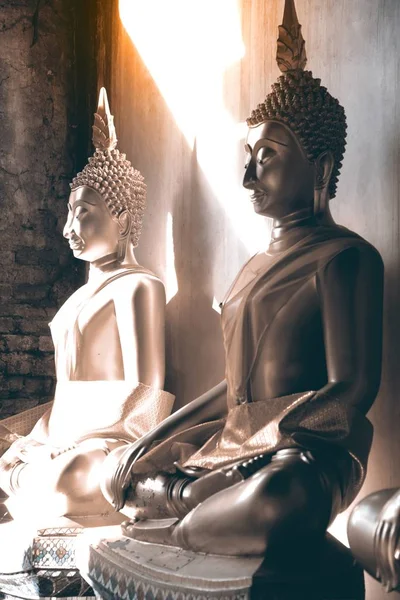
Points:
(156, 531)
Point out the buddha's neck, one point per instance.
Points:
(291, 229)
(109, 263)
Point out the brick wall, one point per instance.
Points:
(43, 120)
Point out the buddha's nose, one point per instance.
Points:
(67, 231)
(250, 176)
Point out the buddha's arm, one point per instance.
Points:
(350, 287)
(209, 406)
(140, 314)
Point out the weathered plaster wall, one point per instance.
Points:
(179, 93)
(40, 127)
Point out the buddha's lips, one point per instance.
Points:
(76, 245)
(256, 196)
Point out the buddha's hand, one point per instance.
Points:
(386, 542)
(117, 468)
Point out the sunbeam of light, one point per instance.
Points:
(188, 46)
(216, 306)
(339, 528)
(171, 281)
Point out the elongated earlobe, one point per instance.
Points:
(125, 226)
(323, 170)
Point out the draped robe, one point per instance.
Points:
(82, 410)
(305, 419)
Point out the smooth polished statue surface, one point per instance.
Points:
(374, 536)
(266, 459)
(109, 349)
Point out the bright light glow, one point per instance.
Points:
(188, 48)
(216, 306)
(171, 281)
(36, 511)
(339, 528)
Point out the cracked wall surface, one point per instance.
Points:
(38, 124)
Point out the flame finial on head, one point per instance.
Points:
(291, 52)
(104, 134)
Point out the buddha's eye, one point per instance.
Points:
(80, 211)
(264, 155)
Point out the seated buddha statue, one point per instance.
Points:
(109, 348)
(266, 459)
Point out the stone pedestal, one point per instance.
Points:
(123, 569)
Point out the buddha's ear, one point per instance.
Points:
(124, 223)
(323, 169)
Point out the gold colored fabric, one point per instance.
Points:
(64, 327)
(113, 409)
(21, 424)
(92, 409)
(300, 420)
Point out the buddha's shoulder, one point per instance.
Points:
(344, 240)
(348, 251)
(133, 280)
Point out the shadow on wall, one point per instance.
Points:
(190, 313)
(178, 132)
(177, 186)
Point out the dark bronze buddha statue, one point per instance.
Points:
(268, 457)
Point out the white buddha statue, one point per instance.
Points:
(109, 349)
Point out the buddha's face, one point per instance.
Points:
(90, 228)
(278, 174)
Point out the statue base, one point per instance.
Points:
(121, 568)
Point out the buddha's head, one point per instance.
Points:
(296, 137)
(108, 198)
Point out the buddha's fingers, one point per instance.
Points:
(120, 479)
(384, 535)
(380, 559)
(392, 553)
